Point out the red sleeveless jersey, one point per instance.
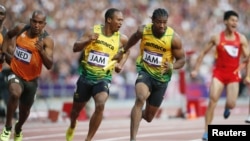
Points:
(228, 53)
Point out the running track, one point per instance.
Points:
(117, 129)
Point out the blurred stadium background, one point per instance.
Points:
(194, 20)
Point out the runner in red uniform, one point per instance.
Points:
(228, 59)
(230, 46)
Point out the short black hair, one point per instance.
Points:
(160, 12)
(230, 13)
(110, 13)
(39, 12)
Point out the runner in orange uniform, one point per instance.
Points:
(34, 47)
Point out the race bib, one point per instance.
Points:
(231, 50)
(152, 58)
(23, 54)
(98, 58)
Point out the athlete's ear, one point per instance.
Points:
(109, 20)
(225, 22)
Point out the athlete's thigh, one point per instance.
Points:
(29, 92)
(83, 90)
(15, 85)
(157, 94)
(143, 86)
(216, 88)
(232, 91)
(100, 92)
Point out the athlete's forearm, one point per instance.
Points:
(131, 42)
(80, 45)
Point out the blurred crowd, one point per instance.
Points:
(193, 20)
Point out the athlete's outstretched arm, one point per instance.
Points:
(134, 38)
(211, 43)
(119, 66)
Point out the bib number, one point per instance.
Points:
(98, 58)
(23, 54)
(152, 58)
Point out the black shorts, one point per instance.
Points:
(157, 89)
(85, 89)
(29, 88)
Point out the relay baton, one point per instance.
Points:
(109, 65)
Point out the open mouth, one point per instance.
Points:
(36, 30)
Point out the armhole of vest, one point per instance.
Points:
(43, 35)
(96, 26)
(167, 33)
(221, 37)
(237, 34)
(4, 31)
(26, 27)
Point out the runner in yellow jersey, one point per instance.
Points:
(99, 45)
(34, 48)
(161, 51)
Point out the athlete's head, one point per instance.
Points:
(2, 14)
(230, 13)
(159, 20)
(114, 18)
(231, 19)
(37, 22)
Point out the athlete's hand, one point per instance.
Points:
(93, 37)
(247, 80)
(166, 67)
(39, 45)
(118, 68)
(193, 74)
(118, 56)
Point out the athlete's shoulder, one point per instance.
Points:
(17, 29)
(22, 27)
(240, 34)
(216, 35)
(123, 39)
(243, 38)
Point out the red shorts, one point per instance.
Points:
(226, 76)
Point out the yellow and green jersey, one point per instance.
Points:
(154, 52)
(98, 54)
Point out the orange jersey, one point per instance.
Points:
(27, 62)
(1, 41)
